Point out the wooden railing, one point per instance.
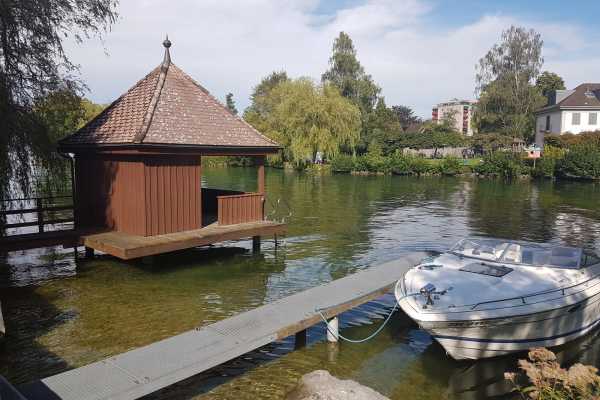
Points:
(43, 208)
(241, 208)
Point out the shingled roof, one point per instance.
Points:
(168, 108)
(584, 96)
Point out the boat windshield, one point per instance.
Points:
(506, 251)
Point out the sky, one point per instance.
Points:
(420, 52)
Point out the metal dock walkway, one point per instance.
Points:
(141, 371)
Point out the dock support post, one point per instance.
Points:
(256, 244)
(89, 252)
(300, 339)
(333, 330)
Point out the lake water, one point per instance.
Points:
(61, 314)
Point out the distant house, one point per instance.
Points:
(569, 111)
(461, 110)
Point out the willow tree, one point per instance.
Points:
(306, 118)
(505, 82)
(33, 68)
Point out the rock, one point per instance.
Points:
(320, 385)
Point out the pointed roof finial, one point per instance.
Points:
(167, 59)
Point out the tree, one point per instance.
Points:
(449, 119)
(261, 92)
(381, 127)
(33, 65)
(305, 118)
(231, 103)
(505, 77)
(406, 116)
(548, 82)
(346, 73)
(60, 113)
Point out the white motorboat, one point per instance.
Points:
(489, 297)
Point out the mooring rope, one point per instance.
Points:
(371, 336)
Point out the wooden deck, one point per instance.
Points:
(147, 369)
(126, 246)
(65, 238)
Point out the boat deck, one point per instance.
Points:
(142, 371)
(127, 246)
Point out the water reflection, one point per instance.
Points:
(62, 314)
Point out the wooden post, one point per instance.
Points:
(40, 214)
(300, 340)
(260, 163)
(333, 330)
(89, 252)
(255, 244)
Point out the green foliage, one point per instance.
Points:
(430, 136)
(34, 65)
(305, 118)
(342, 163)
(419, 166)
(545, 167)
(380, 126)
(61, 113)
(501, 163)
(406, 117)
(505, 77)
(450, 166)
(486, 142)
(400, 164)
(548, 82)
(90, 111)
(346, 73)
(260, 104)
(568, 139)
(580, 161)
(230, 103)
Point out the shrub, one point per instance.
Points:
(400, 164)
(450, 166)
(545, 167)
(419, 166)
(549, 381)
(583, 138)
(342, 163)
(581, 161)
(360, 163)
(505, 164)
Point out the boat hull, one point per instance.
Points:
(483, 338)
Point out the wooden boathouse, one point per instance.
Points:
(138, 173)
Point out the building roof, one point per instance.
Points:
(168, 108)
(586, 95)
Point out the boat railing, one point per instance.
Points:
(522, 298)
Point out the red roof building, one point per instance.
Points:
(138, 164)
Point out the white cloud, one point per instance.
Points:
(229, 45)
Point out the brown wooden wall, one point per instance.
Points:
(173, 195)
(141, 195)
(241, 208)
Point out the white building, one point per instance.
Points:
(460, 110)
(570, 111)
